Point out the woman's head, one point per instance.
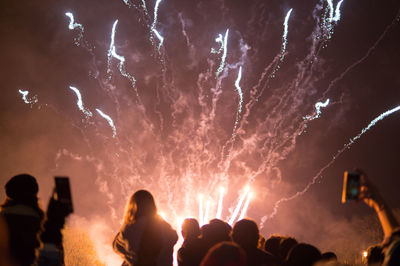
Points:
(141, 203)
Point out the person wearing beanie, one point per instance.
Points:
(24, 218)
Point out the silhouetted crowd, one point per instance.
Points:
(30, 236)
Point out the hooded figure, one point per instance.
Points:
(145, 238)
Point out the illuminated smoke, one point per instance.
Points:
(109, 120)
(73, 25)
(318, 111)
(285, 33)
(31, 101)
(79, 103)
(338, 153)
(207, 212)
(239, 205)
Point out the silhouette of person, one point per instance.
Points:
(23, 217)
(225, 254)
(144, 238)
(303, 255)
(190, 252)
(245, 233)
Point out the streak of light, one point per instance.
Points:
(332, 11)
(207, 212)
(224, 46)
(27, 100)
(160, 38)
(220, 201)
(336, 18)
(109, 120)
(79, 102)
(246, 206)
(153, 25)
(201, 216)
(285, 33)
(239, 205)
(239, 90)
(73, 25)
(338, 153)
(318, 111)
(113, 53)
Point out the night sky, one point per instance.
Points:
(180, 128)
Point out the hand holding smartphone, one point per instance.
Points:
(63, 192)
(351, 186)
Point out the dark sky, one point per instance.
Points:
(175, 128)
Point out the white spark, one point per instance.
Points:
(161, 38)
(239, 89)
(224, 44)
(80, 102)
(337, 12)
(318, 111)
(113, 53)
(285, 33)
(109, 120)
(25, 98)
(335, 18)
(73, 25)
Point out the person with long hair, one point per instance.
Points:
(144, 238)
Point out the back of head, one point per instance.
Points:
(303, 255)
(140, 204)
(329, 256)
(272, 245)
(245, 233)
(225, 254)
(190, 228)
(286, 245)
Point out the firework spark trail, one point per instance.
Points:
(207, 212)
(160, 38)
(240, 93)
(112, 53)
(239, 205)
(31, 101)
(333, 11)
(201, 216)
(224, 46)
(73, 25)
(109, 120)
(359, 61)
(318, 111)
(336, 18)
(285, 33)
(79, 102)
(184, 29)
(246, 206)
(220, 201)
(153, 25)
(338, 153)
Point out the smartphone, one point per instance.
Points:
(351, 186)
(63, 192)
